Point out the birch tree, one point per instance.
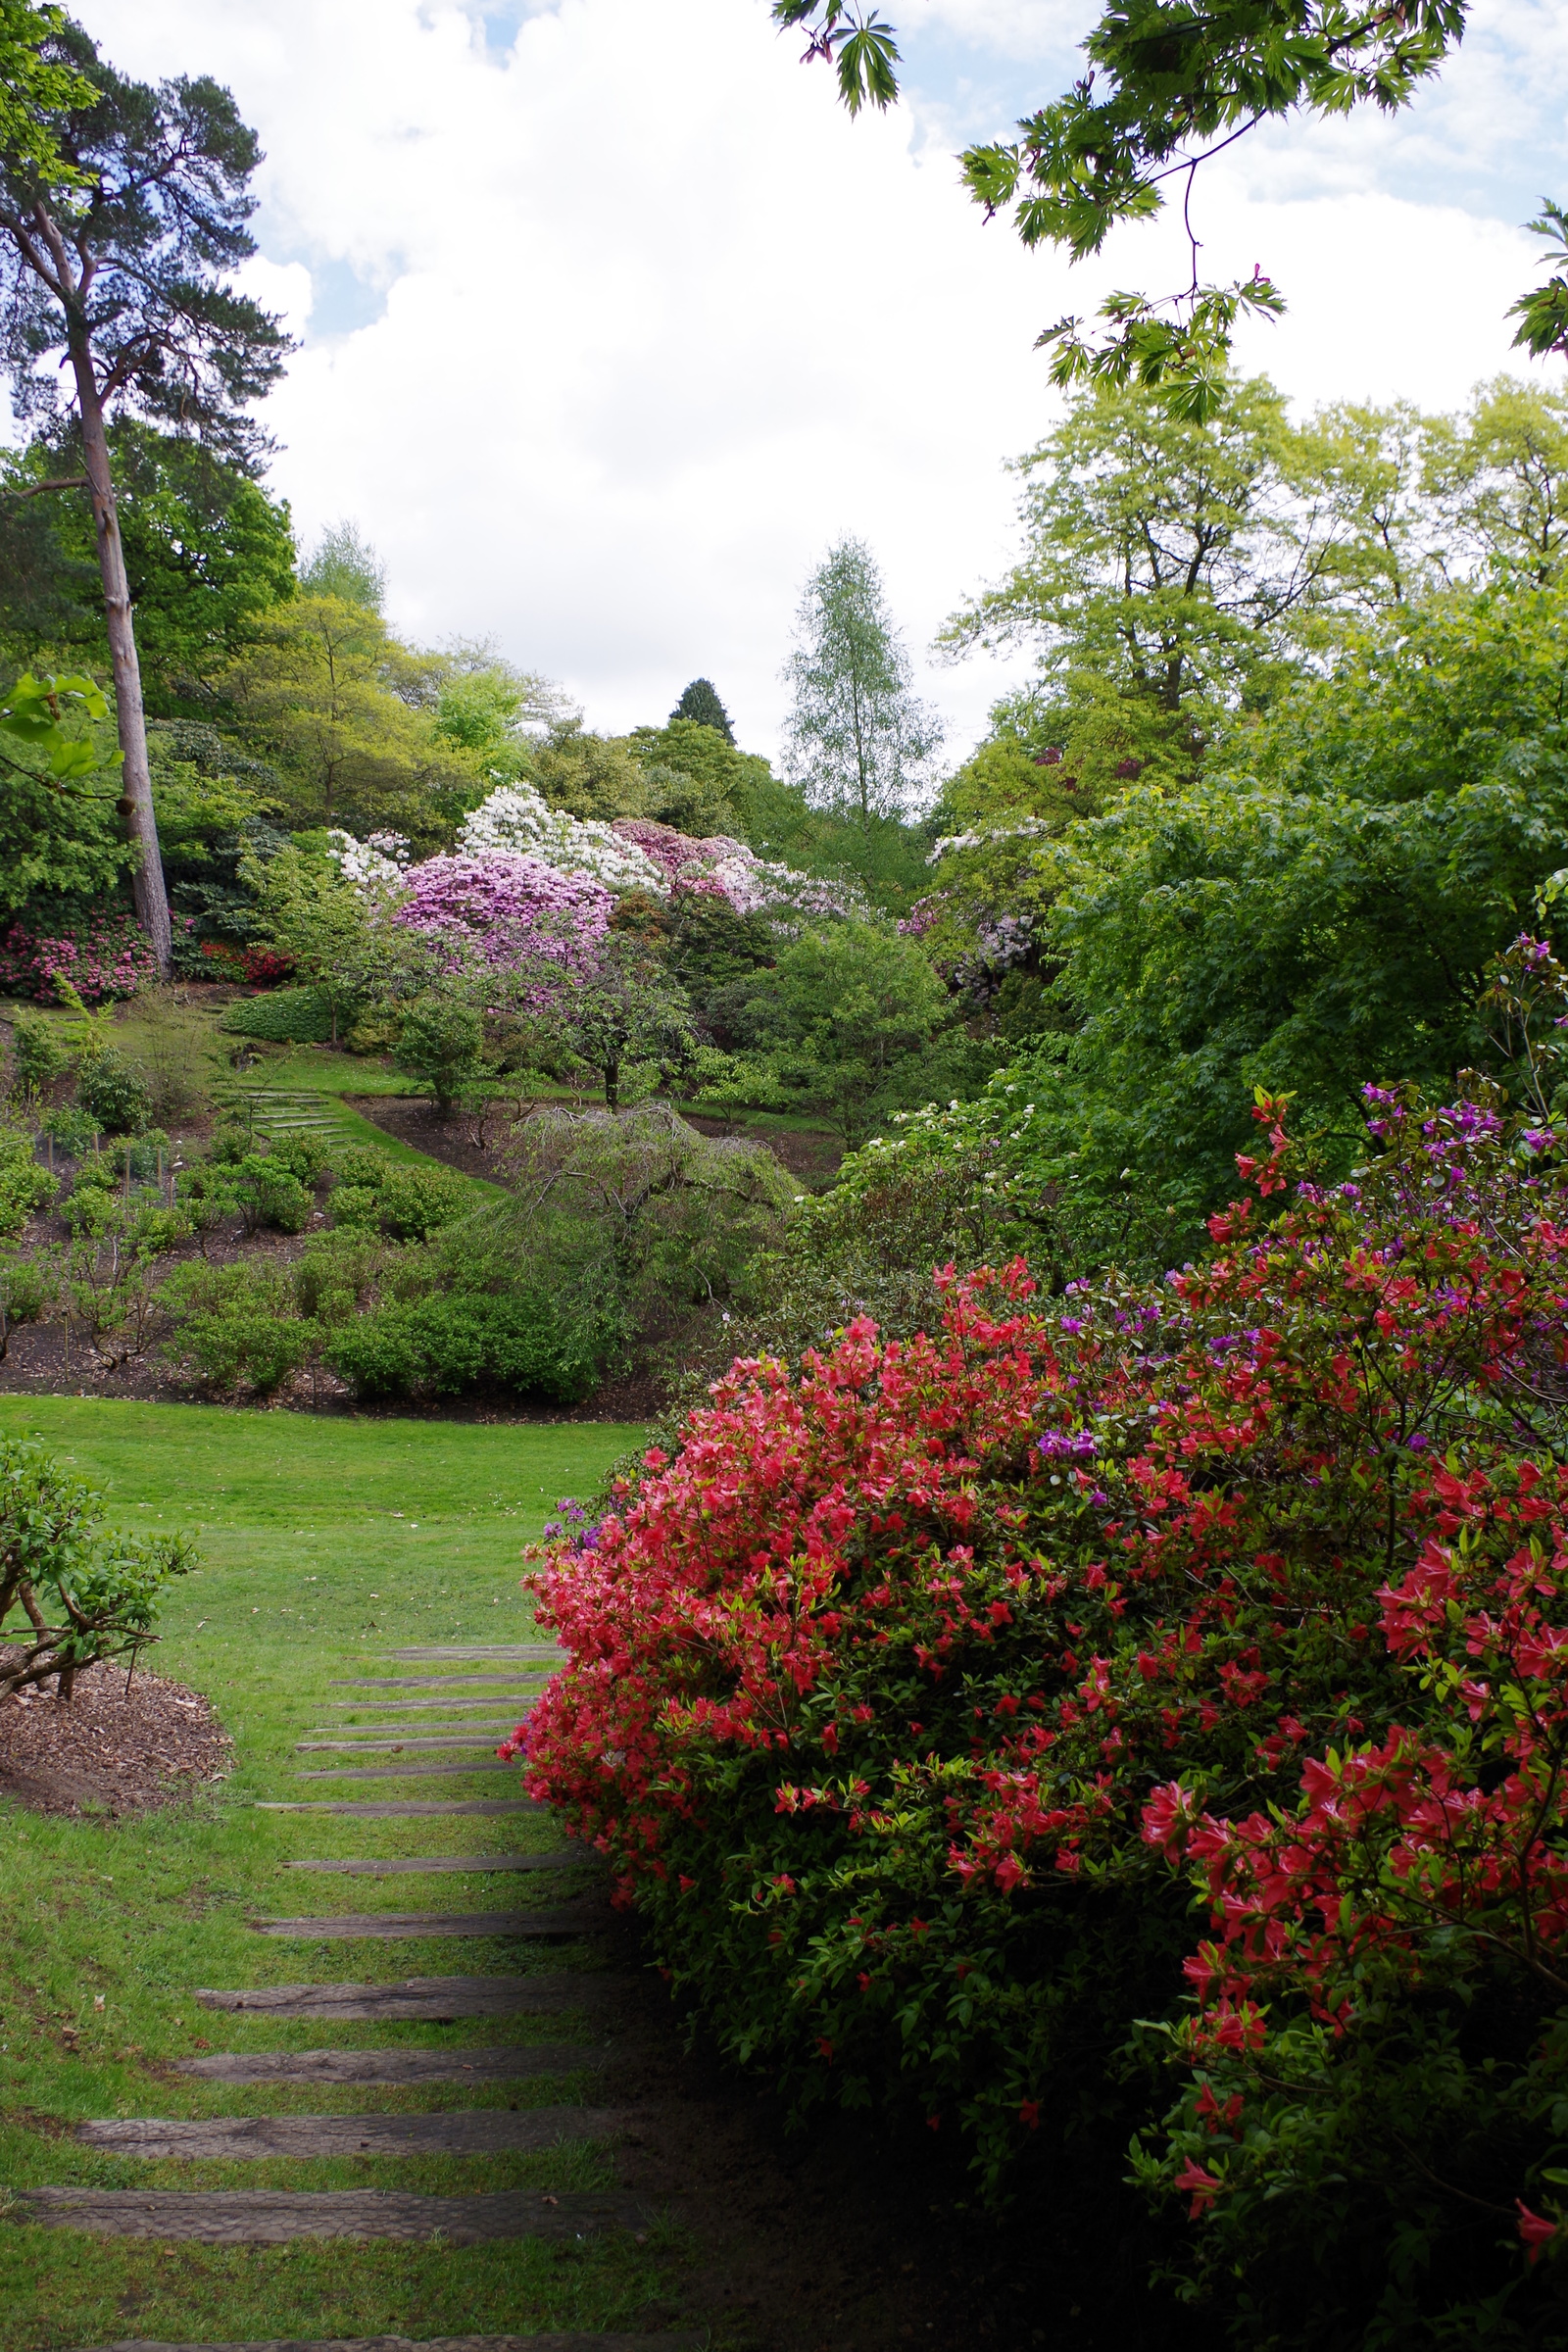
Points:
(857, 739)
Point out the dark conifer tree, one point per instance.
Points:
(701, 702)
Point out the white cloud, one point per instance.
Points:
(659, 321)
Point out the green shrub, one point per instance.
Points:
(25, 1290)
(441, 1043)
(306, 1156)
(266, 1193)
(359, 1164)
(144, 1155)
(409, 1203)
(286, 1017)
(418, 1201)
(236, 1323)
(443, 1346)
(38, 1054)
(88, 1594)
(73, 1130)
(23, 1186)
(261, 1350)
(355, 1208)
(338, 1273)
(114, 1092)
(233, 1139)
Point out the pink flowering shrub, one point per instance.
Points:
(111, 957)
(905, 1694)
(507, 909)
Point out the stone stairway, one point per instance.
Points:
(585, 1993)
(290, 1110)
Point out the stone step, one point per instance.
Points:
(423, 1707)
(408, 1772)
(485, 1736)
(428, 1681)
(437, 2343)
(388, 1923)
(239, 2138)
(262, 2217)
(437, 2000)
(417, 1808)
(544, 1651)
(517, 2064)
(397, 1869)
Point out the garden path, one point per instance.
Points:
(580, 1990)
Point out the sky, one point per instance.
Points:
(611, 321)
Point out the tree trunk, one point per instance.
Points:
(151, 900)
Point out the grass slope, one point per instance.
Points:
(323, 1543)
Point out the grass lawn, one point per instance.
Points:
(322, 1545)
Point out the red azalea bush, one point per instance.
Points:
(111, 957)
(256, 968)
(904, 1697)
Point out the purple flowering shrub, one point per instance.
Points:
(509, 909)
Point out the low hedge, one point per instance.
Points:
(283, 1016)
(965, 1719)
(444, 1344)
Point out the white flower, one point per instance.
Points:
(517, 817)
(1026, 829)
(374, 867)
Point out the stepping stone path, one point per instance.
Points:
(291, 1110)
(441, 2343)
(273, 2217)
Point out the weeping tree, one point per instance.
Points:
(119, 231)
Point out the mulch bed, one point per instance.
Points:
(109, 1749)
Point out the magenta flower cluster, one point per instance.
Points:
(112, 956)
(511, 909)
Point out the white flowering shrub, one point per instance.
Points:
(375, 867)
(516, 819)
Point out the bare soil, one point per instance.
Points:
(109, 1748)
(853, 2235)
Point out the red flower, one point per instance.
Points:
(1535, 2231)
(1204, 2187)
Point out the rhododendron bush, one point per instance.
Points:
(507, 910)
(915, 1700)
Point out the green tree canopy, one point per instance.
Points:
(326, 694)
(206, 551)
(852, 1023)
(343, 563)
(35, 88)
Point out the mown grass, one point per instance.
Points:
(323, 1544)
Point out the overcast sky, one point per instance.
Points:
(611, 321)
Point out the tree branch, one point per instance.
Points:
(66, 481)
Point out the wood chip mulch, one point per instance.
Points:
(108, 1750)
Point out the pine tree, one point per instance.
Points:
(118, 236)
(701, 702)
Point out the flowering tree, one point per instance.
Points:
(905, 1692)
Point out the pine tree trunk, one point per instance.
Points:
(151, 900)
